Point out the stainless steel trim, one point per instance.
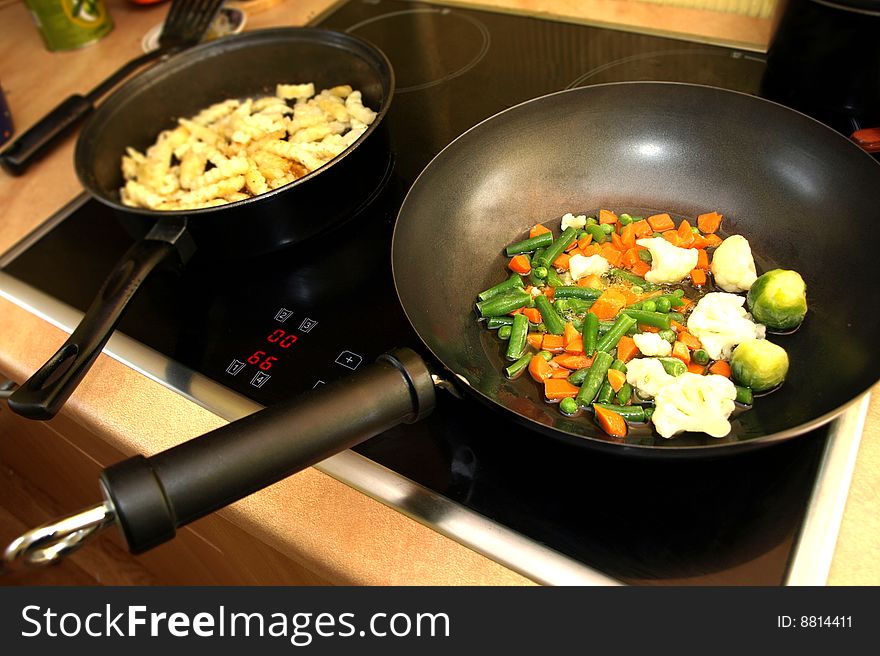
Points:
(814, 550)
(511, 549)
(811, 559)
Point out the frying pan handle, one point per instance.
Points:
(154, 496)
(35, 142)
(44, 393)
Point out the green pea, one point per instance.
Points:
(663, 304)
(657, 234)
(504, 332)
(679, 293)
(649, 306)
(591, 220)
(700, 356)
(625, 219)
(607, 228)
(668, 335)
(645, 256)
(635, 289)
(540, 272)
(695, 230)
(568, 405)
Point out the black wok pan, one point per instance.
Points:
(803, 195)
(235, 67)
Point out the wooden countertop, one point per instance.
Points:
(335, 532)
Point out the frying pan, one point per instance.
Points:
(804, 196)
(235, 67)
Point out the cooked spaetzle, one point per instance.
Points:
(237, 149)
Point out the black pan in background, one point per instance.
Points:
(247, 65)
(804, 197)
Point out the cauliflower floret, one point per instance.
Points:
(580, 266)
(720, 322)
(647, 375)
(691, 402)
(733, 265)
(652, 344)
(668, 263)
(571, 221)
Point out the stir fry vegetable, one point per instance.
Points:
(642, 321)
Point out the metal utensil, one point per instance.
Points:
(184, 26)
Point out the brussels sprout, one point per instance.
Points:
(778, 299)
(759, 364)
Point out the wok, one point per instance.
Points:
(804, 196)
(235, 67)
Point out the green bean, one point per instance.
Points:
(665, 300)
(519, 366)
(568, 406)
(633, 279)
(514, 282)
(568, 308)
(678, 292)
(673, 366)
(606, 393)
(502, 304)
(621, 325)
(553, 278)
(504, 332)
(573, 291)
(528, 245)
(540, 272)
(547, 355)
(656, 319)
(594, 379)
(645, 256)
(592, 220)
(599, 235)
(533, 277)
(551, 319)
(607, 228)
(625, 394)
(676, 316)
(649, 412)
(590, 333)
(700, 356)
(619, 365)
(556, 248)
(518, 333)
(495, 323)
(744, 395)
(628, 412)
(577, 377)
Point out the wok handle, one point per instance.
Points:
(35, 142)
(44, 393)
(154, 496)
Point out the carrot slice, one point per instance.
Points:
(616, 379)
(608, 304)
(685, 234)
(699, 242)
(575, 346)
(610, 253)
(611, 422)
(642, 229)
(556, 389)
(535, 340)
(702, 260)
(695, 368)
(538, 229)
(689, 340)
(672, 237)
(626, 348)
(552, 343)
(712, 240)
(640, 268)
(616, 242)
(559, 372)
(709, 223)
(533, 315)
(698, 277)
(519, 264)
(539, 368)
(573, 362)
(720, 368)
(660, 222)
(585, 241)
(680, 351)
(628, 235)
(630, 257)
(607, 216)
(569, 333)
(593, 281)
(561, 262)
